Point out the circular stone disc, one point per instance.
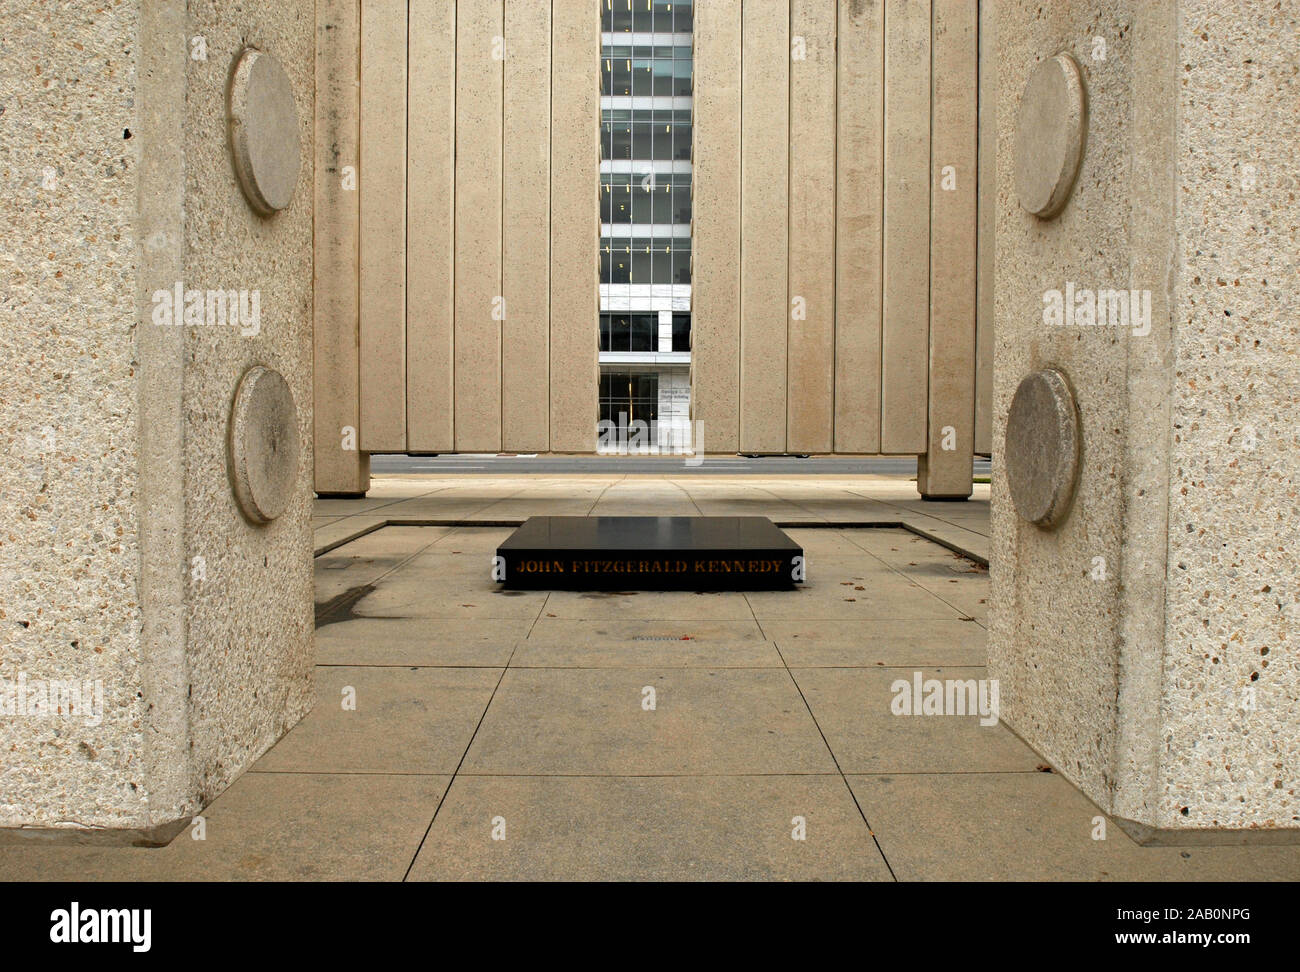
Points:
(263, 131)
(1042, 448)
(1050, 132)
(263, 444)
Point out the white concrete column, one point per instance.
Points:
(154, 639)
(1141, 640)
(341, 468)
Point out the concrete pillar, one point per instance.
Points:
(764, 224)
(716, 191)
(810, 339)
(480, 62)
(905, 337)
(382, 273)
(986, 210)
(525, 228)
(430, 226)
(341, 468)
(859, 175)
(575, 225)
(1141, 639)
(155, 639)
(944, 471)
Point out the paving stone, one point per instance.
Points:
(899, 548)
(419, 641)
(266, 827)
(468, 541)
(591, 721)
(831, 593)
(1033, 827)
(341, 529)
(649, 605)
(649, 829)
(334, 578)
(853, 707)
(869, 644)
(647, 653)
(453, 592)
(570, 631)
(824, 542)
(393, 541)
(407, 720)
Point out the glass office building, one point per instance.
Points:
(645, 246)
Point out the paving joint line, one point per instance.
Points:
(454, 773)
(834, 759)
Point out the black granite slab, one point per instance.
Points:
(701, 553)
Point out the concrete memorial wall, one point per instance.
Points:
(155, 571)
(834, 274)
(1144, 528)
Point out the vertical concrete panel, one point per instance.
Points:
(154, 538)
(715, 277)
(1055, 629)
(1163, 643)
(430, 227)
(125, 561)
(480, 56)
(1232, 466)
(383, 226)
(336, 365)
(858, 224)
(811, 330)
(764, 223)
(945, 469)
(575, 224)
(525, 243)
(248, 643)
(986, 205)
(905, 341)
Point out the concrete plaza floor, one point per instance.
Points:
(506, 735)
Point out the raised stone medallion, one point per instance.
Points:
(263, 120)
(1042, 448)
(263, 444)
(1051, 131)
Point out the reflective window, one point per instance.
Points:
(629, 396)
(646, 16)
(660, 198)
(681, 332)
(629, 332)
(647, 55)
